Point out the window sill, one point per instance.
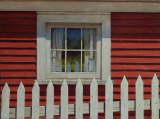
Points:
(71, 81)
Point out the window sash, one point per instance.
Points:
(75, 74)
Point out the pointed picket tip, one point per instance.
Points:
(155, 79)
(21, 86)
(94, 81)
(64, 83)
(109, 81)
(124, 80)
(79, 81)
(36, 85)
(139, 80)
(50, 83)
(6, 86)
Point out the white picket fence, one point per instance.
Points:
(80, 108)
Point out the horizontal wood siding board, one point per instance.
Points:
(135, 60)
(137, 16)
(24, 66)
(135, 37)
(134, 30)
(134, 49)
(18, 35)
(135, 67)
(17, 59)
(14, 44)
(18, 22)
(134, 73)
(137, 53)
(30, 52)
(18, 74)
(18, 15)
(19, 29)
(15, 81)
(137, 23)
(135, 45)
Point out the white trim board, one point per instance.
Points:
(42, 21)
(93, 7)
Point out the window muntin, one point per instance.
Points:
(74, 49)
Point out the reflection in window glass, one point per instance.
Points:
(58, 61)
(73, 61)
(73, 38)
(58, 39)
(89, 61)
(89, 38)
(74, 49)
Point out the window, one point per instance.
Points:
(71, 46)
(75, 50)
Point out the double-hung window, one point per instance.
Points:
(75, 50)
(73, 46)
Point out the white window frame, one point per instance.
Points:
(73, 75)
(43, 43)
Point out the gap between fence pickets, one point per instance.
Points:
(71, 108)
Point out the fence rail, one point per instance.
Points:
(80, 108)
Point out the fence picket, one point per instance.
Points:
(79, 100)
(109, 99)
(139, 99)
(94, 99)
(124, 98)
(20, 101)
(95, 107)
(155, 97)
(5, 102)
(50, 101)
(35, 101)
(64, 100)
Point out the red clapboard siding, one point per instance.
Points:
(136, 67)
(17, 81)
(18, 15)
(15, 67)
(137, 23)
(16, 59)
(14, 44)
(17, 29)
(135, 73)
(136, 60)
(17, 52)
(136, 16)
(18, 35)
(135, 53)
(18, 74)
(136, 45)
(135, 49)
(17, 39)
(137, 37)
(18, 22)
(135, 29)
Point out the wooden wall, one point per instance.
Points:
(135, 43)
(135, 49)
(18, 51)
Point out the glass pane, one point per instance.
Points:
(58, 61)
(58, 39)
(73, 38)
(89, 61)
(73, 61)
(89, 38)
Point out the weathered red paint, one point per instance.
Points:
(135, 50)
(18, 52)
